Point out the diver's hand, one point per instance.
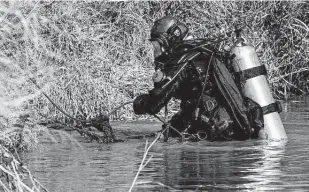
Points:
(140, 104)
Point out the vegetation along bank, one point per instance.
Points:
(92, 56)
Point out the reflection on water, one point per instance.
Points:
(70, 163)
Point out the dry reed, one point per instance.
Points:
(14, 174)
(101, 56)
(91, 56)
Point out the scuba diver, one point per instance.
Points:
(194, 71)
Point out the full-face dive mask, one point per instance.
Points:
(166, 32)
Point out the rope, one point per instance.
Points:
(70, 116)
(62, 111)
(120, 106)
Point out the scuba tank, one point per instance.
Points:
(252, 77)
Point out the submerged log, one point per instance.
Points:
(100, 123)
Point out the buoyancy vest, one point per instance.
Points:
(233, 99)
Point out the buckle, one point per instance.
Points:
(210, 104)
(201, 135)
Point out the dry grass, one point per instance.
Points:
(14, 174)
(102, 57)
(92, 56)
(19, 48)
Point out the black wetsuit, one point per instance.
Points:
(210, 98)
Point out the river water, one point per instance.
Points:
(68, 162)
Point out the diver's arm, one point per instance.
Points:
(152, 102)
(158, 97)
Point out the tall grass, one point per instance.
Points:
(103, 57)
(89, 57)
(20, 47)
(92, 56)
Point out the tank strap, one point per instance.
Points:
(273, 107)
(252, 72)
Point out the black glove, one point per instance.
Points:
(100, 122)
(140, 104)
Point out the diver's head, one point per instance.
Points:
(165, 33)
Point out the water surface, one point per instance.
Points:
(68, 162)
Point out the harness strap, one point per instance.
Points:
(273, 107)
(255, 72)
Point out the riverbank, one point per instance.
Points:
(92, 56)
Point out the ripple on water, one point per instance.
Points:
(255, 165)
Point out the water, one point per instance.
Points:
(68, 162)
